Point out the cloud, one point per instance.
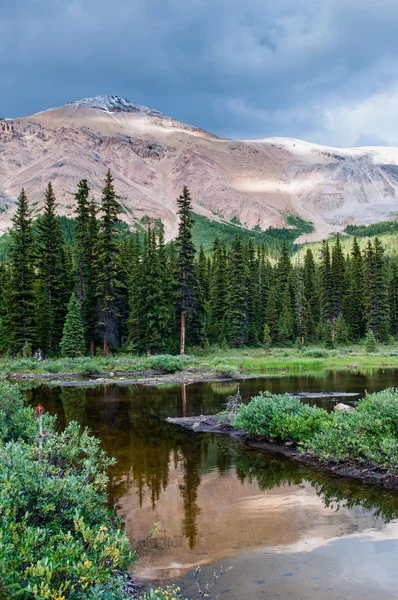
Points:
(323, 71)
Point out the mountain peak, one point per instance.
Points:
(108, 103)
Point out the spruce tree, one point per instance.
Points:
(393, 299)
(72, 343)
(90, 312)
(237, 311)
(341, 331)
(376, 291)
(218, 294)
(370, 342)
(310, 285)
(51, 303)
(326, 291)
(108, 283)
(21, 297)
(355, 306)
(81, 235)
(337, 272)
(283, 268)
(272, 315)
(186, 280)
(286, 325)
(328, 334)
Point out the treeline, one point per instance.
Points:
(111, 290)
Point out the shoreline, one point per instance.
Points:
(365, 473)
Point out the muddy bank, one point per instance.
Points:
(152, 377)
(210, 424)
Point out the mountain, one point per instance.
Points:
(254, 182)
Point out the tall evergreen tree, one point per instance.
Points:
(237, 313)
(51, 302)
(376, 291)
(82, 247)
(90, 301)
(310, 285)
(271, 318)
(393, 299)
(286, 325)
(326, 284)
(355, 307)
(108, 283)
(337, 279)
(186, 281)
(219, 294)
(21, 298)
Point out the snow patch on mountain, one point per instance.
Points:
(111, 104)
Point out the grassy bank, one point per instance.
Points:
(217, 361)
(366, 436)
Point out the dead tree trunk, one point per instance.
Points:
(182, 345)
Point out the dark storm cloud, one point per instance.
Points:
(325, 71)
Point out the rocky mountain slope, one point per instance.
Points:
(257, 182)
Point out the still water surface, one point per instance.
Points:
(288, 531)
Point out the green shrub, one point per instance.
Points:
(368, 434)
(317, 353)
(280, 417)
(166, 362)
(227, 371)
(57, 536)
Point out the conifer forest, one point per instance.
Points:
(104, 288)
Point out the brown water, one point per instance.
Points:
(289, 531)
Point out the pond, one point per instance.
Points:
(288, 531)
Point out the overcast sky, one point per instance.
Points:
(322, 70)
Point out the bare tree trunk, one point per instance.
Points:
(182, 345)
(92, 347)
(106, 347)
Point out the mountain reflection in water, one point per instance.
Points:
(211, 497)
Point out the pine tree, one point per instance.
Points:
(337, 271)
(108, 284)
(286, 327)
(265, 280)
(376, 291)
(370, 342)
(267, 336)
(283, 268)
(238, 311)
(186, 282)
(326, 292)
(310, 286)
(393, 299)
(272, 315)
(21, 297)
(90, 301)
(153, 308)
(341, 331)
(72, 343)
(355, 307)
(82, 237)
(51, 304)
(218, 294)
(328, 334)
(252, 291)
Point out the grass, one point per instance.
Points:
(205, 231)
(230, 362)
